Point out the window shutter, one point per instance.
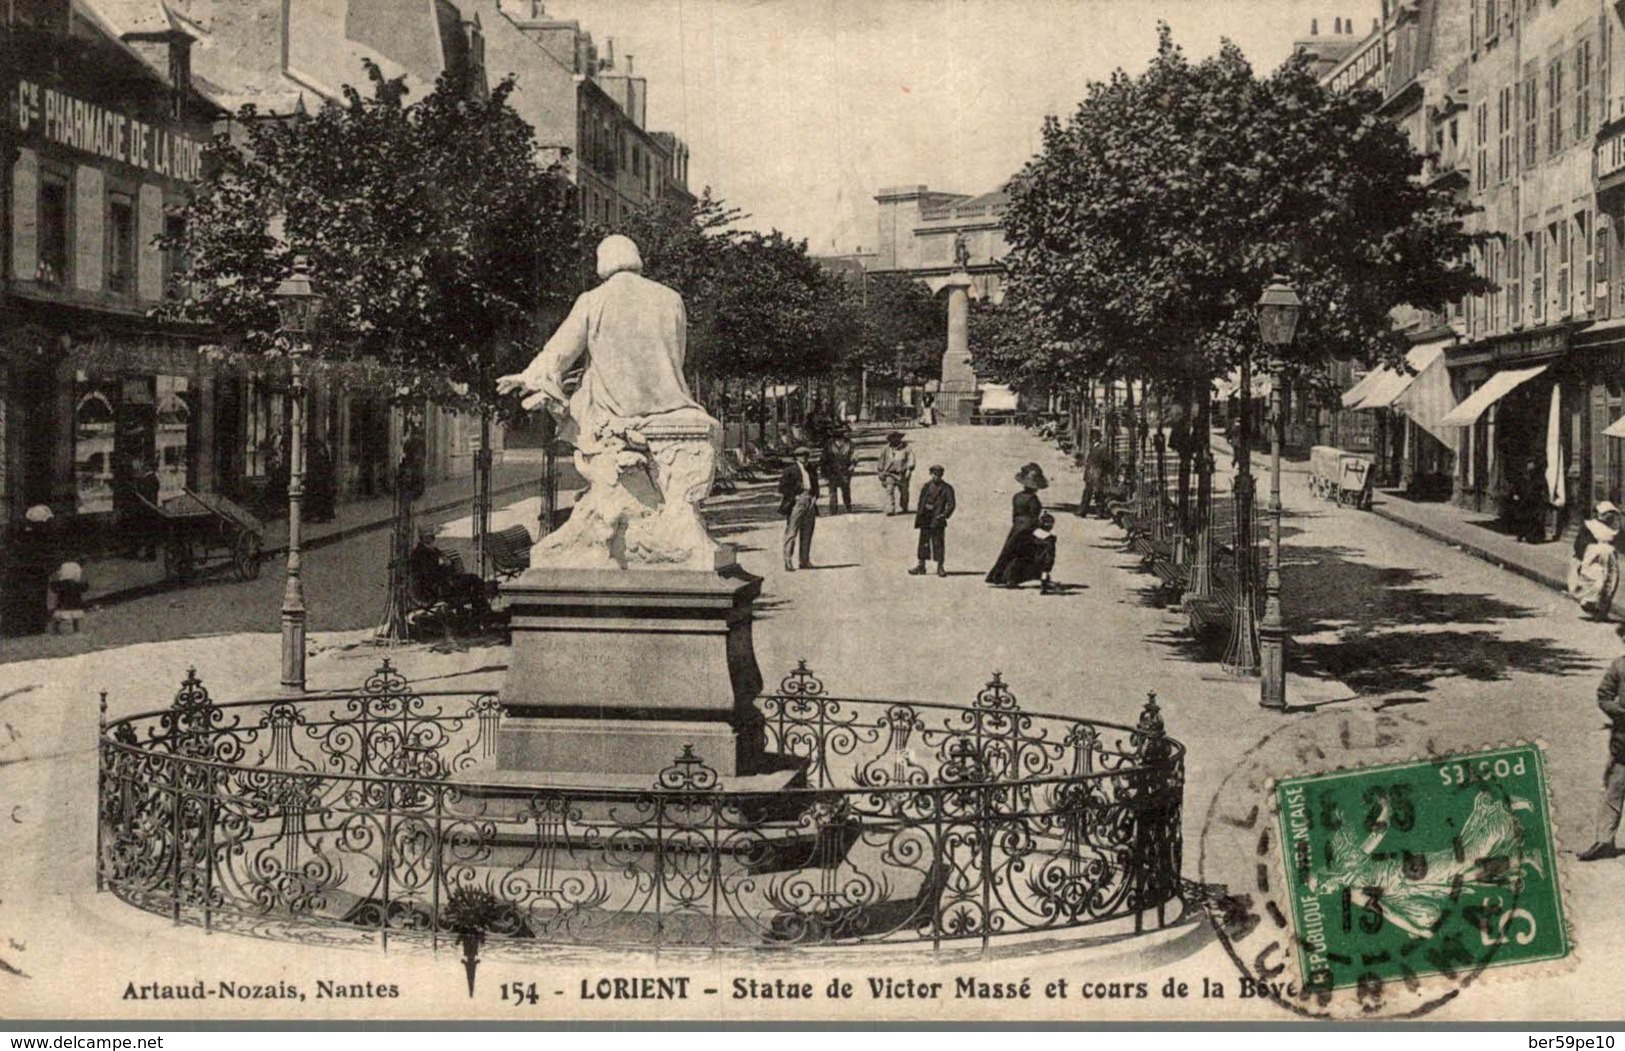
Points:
(1605, 259)
(25, 230)
(149, 258)
(89, 222)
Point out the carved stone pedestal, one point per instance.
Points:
(614, 671)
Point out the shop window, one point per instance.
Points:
(54, 232)
(121, 244)
(95, 424)
(173, 431)
(262, 429)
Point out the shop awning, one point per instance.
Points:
(1494, 389)
(1616, 429)
(1356, 394)
(1259, 385)
(1429, 399)
(1382, 386)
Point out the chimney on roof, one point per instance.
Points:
(629, 63)
(609, 52)
(1375, 25)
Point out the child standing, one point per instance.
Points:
(68, 587)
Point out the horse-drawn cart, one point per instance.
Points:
(1341, 476)
(202, 530)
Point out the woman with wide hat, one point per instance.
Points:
(1026, 556)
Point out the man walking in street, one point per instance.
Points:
(1097, 473)
(1611, 699)
(798, 503)
(837, 468)
(896, 468)
(935, 507)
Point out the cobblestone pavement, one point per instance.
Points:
(1394, 635)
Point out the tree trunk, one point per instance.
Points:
(1201, 568)
(482, 491)
(408, 482)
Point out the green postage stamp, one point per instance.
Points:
(1443, 865)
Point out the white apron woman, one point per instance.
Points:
(1594, 567)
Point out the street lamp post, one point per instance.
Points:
(299, 304)
(1278, 310)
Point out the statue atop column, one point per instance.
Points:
(646, 448)
(961, 251)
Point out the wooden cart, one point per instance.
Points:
(204, 530)
(1325, 467)
(1354, 482)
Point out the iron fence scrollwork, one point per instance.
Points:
(368, 814)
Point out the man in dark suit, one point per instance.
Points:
(798, 503)
(931, 514)
(1097, 474)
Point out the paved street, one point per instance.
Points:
(1393, 630)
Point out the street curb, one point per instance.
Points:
(113, 598)
(1483, 554)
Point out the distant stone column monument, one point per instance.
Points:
(632, 627)
(957, 397)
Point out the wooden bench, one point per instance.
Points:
(509, 551)
(1217, 609)
(432, 606)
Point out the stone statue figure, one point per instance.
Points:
(961, 251)
(646, 448)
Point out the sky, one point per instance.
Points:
(798, 111)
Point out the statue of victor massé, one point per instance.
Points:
(644, 445)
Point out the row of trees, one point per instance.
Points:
(1144, 230)
(447, 253)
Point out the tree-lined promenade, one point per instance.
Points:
(1144, 230)
(447, 252)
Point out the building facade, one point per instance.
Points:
(105, 137)
(1519, 103)
(918, 229)
(616, 162)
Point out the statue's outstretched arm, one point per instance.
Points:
(545, 373)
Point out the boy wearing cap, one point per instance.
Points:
(931, 514)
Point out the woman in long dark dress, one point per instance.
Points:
(1025, 557)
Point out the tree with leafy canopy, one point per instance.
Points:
(902, 329)
(760, 309)
(438, 239)
(1152, 218)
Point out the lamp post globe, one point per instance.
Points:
(299, 305)
(1278, 311)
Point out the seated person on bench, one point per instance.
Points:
(439, 577)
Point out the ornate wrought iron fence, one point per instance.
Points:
(375, 813)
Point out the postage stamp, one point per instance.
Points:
(1438, 866)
